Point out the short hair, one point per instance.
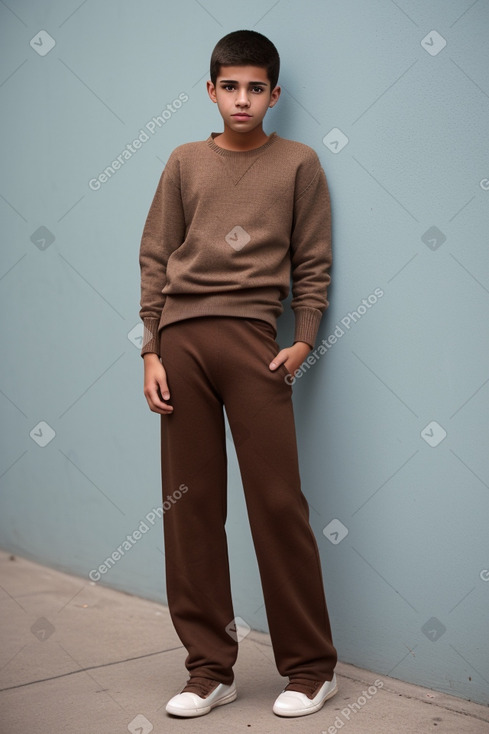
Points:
(246, 48)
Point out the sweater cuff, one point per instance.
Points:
(307, 322)
(150, 337)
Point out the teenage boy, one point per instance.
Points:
(232, 219)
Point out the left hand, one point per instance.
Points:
(292, 357)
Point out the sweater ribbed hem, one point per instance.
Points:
(306, 325)
(307, 320)
(182, 307)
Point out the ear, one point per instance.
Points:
(211, 91)
(274, 96)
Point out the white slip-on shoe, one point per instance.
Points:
(191, 704)
(293, 703)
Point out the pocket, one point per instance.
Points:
(267, 348)
(288, 377)
(283, 367)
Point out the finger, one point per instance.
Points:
(163, 385)
(165, 410)
(168, 410)
(156, 403)
(277, 360)
(162, 404)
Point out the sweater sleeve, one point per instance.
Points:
(310, 250)
(163, 232)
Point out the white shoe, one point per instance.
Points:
(293, 703)
(190, 704)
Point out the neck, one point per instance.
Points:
(231, 140)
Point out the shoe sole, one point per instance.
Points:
(311, 710)
(189, 713)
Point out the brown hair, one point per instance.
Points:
(246, 48)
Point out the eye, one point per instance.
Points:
(228, 87)
(258, 89)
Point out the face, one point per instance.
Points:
(243, 95)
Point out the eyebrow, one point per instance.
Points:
(233, 81)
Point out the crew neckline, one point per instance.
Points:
(253, 151)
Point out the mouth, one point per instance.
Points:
(240, 114)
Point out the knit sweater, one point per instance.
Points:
(226, 233)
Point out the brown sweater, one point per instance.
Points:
(226, 232)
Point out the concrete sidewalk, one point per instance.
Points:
(78, 658)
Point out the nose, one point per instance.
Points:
(242, 99)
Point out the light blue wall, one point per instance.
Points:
(416, 553)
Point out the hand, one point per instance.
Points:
(155, 385)
(292, 357)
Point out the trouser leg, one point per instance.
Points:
(260, 412)
(193, 453)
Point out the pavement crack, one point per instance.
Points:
(90, 667)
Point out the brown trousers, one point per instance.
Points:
(211, 362)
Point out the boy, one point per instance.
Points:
(232, 218)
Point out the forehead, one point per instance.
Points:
(244, 74)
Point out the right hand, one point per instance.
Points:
(156, 389)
